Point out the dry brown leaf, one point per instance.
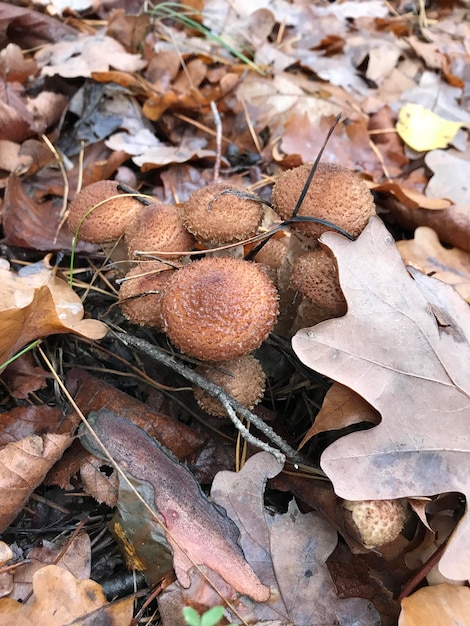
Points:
(287, 551)
(31, 419)
(439, 604)
(426, 253)
(196, 530)
(93, 394)
(410, 198)
(86, 54)
(103, 488)
(403, 346)
(349, 145)
(23, 466)
(60, 598)
(74, 557)
(452, 224)
(23, 377)
(31, 28)
(341, 407)
(34, 304)
(31, 224)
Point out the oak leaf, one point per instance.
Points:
(425, 252)
(60, 598)
(23, 466)
(34, 304)
(197, 531)
(402, 346)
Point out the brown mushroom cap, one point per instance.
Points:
(140, 295)
(272, 253)
(158, 228)
(242, 378)
(105, 222)
(219, 308)
(315, 275)
(225, 218)
(335, 194)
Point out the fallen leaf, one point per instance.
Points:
(60, 598)
(286, 548)
(451, 175)
(432, 93)
(23, 421)
(34, 304)
(23, 466)
(406, 354)
(341, 408)
(80, 57)
(409, 197)
(143, 541)
(348, 146)
(93, 394)
(439, 604)
(23, 377)
(426, 253)
(452, 225)
(423, 130)
(74, 557)
(31, 29)
(197, 531)
(35, 224)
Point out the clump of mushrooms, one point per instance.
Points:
(336, 195)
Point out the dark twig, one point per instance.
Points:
(314, 167)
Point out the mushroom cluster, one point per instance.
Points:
(308, 278)
(215, 309)
(220, 308)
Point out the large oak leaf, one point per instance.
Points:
(403, 346)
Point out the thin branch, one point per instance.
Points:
(232, 406)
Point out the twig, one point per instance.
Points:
(231, 406)
(218, 137)
(314, 167)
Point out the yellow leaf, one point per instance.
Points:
(440, 604)
(423, 130)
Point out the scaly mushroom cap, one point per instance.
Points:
(105, 222)
(315, 275)
(219, 308)
(378, 521)
(140, 295)
(335, 194)
(158, 228)
(227, 218)
(242, 378)
(272, 253)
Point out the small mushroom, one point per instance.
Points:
(242, 378)
(219, 308)
(222, 213)
(158, 228)
(377, 521)
(105, 222)
(315, 275)
(272, 253)
(336, 194)
(141, 292)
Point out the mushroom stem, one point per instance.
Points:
(232, 406)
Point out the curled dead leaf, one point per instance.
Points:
(34, 304)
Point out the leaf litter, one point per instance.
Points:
(165, 102)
